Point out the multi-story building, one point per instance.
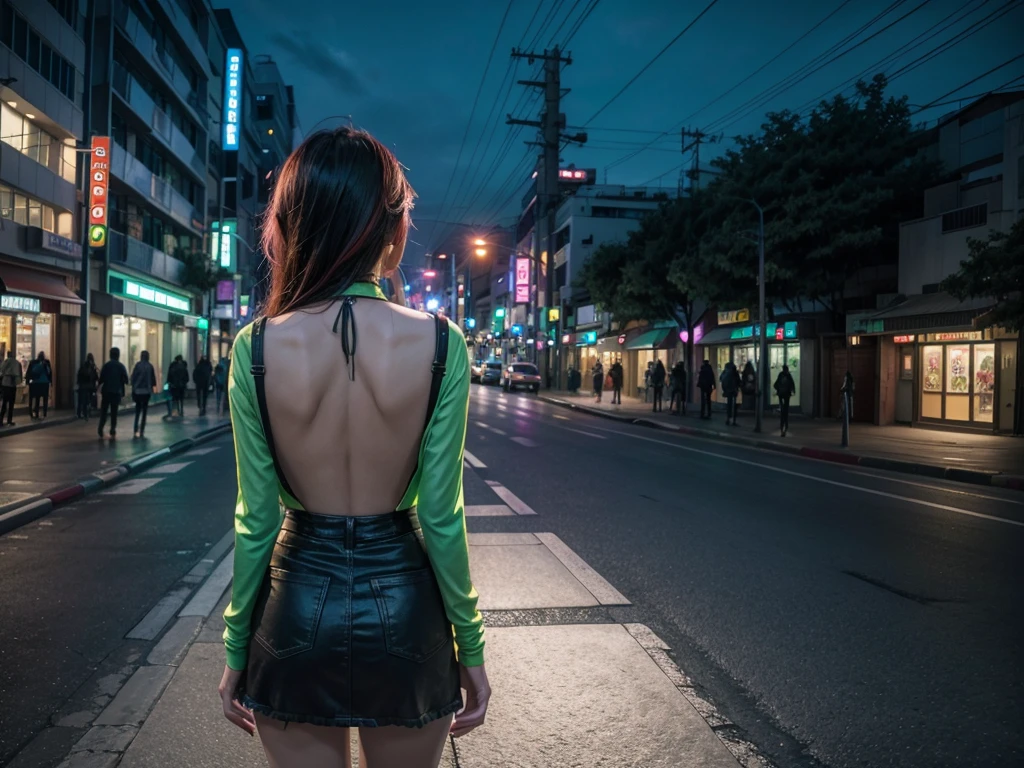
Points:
(42, 66)
(938, 361)
(151, 80)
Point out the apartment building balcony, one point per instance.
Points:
(183, 28)
(159, 59)
(144, 258)
(132, 92)
(155, 190)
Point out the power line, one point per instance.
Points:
(1006, 63)
(666, 173)
(472, 114)
(554, 35)
(648, 65)
(579, 23)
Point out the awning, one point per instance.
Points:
(659, 338)
(929, 311)
(28, 282)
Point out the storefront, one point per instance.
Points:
(738, 344)
(136, 315)
(643, 348)
(37, 314)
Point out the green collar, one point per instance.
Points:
(365, 289)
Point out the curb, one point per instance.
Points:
(956, 474)
(33, 509)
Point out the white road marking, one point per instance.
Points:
(525, 441)
(488, 510)
(203, 451)
(207, 596)
(911, 500)
(518, 505)
(941, 488)
(588, 434)
(169, 469)
(474, 461)
(131, 487)
(18, 536)
(497, 431)
(594, 582)
(560, 416)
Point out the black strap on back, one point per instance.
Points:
(259, 372)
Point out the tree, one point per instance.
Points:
(995, 267)
(200, 273)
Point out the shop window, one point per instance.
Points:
(984, 381)
(23, 349)
(931, 382)
(5, 335)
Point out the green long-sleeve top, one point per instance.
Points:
(435, 491)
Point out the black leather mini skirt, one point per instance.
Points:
(349, 628)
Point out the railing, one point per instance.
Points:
(142, 103)
(131, 171)
(126, 250)
(135, 31)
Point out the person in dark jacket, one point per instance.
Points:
(706, 385)
(39, 378)
(658, 382)
(177, 382)
(677, 385)
(748, 385)
(785, 388)
(202, 376)
(10, 380)
(220, 382)
(85, 385)
(616, 373)
(598, 380)
(143, 387)
(113, 379)
(730, 389)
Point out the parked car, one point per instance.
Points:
(491, 373)
(476, 370)
(525, 375)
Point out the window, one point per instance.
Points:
(28, 46)
(45, 58)
(20, 36)
(22, 209)
(35, 213)
(264, 107)
(965, 218)
(33, 49)
(68, 10)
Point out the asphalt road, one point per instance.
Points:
(838, 616)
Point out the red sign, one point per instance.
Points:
(522, 281)
(622, 339)
(99, 181)
(902, 339)
(780, 333)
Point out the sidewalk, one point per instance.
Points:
(565, 694)
(23, 422)
(980, 458)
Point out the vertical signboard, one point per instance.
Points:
(522, 281)
(232, 111)
(99, 181)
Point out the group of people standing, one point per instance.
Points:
(113, 381)
(733, 383)
(38, 378)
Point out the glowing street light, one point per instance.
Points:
(481, 251)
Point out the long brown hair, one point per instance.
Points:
(340, 200)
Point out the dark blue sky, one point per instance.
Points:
(408, 71)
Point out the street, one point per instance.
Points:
(838, 616)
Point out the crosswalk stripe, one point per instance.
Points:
(131, 487)
(518, 505)
(474, 461)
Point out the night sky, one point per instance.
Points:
(408, 72)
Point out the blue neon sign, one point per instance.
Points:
(231, 116)
(517, 330)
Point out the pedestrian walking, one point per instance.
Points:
(730, 389)
(748, 386)
(598, 380)
(785, 387)
(113, 380)
(177, 381)
(39, 378)
(677, 385)
(202, 376)
(220, 383)
(85, 386)
(616, 373)
(648, 374)
(324, 640)
(143, 386)
(658, 382)
(10, 380)
(706, 385)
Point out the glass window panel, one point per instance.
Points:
(793, 361)
(33, 49)
(931, 358)
(8, 26)
(20, 36)
(64, 225)
(45, 61)
(958, 364)
(49, 219)
(70, 163)
(12, 127)
(20, 209)
(35, 213)
(984, 382)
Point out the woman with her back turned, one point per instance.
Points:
(342, 609)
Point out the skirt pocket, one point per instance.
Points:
(415, 625)
(288, 612)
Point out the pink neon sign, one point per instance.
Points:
(522, 281)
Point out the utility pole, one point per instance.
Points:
(698, 136)
(550, 127)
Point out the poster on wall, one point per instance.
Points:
(956, 371)
(932, 369)
(984, 377)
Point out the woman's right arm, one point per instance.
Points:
(258, 509)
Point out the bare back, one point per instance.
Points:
(349, 447)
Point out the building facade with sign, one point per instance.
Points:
(940, 362)
(41, 124)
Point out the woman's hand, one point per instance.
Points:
(233, 709)
(478, 693)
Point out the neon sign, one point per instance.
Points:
(522, 281)
(99, 178)
(231, 117)
(903, 339)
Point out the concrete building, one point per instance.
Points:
(938, 362)
(42, 67)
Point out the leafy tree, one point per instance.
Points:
(200, 274)
(995, 267)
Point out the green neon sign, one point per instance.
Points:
(136, 290)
